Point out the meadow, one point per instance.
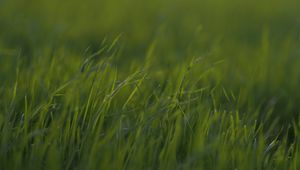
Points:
(160, 84)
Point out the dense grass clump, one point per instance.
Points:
(109, 84)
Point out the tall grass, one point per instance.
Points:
(149, 85)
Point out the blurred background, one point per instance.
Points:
(177, 23)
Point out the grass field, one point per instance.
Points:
(160, 84)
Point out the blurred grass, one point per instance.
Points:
(149, 84)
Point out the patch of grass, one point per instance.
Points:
(149, 85)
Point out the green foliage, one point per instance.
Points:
(133, 84)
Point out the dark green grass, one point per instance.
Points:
(149, 85)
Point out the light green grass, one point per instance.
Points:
(149, 85)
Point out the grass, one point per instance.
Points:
(149, 85)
